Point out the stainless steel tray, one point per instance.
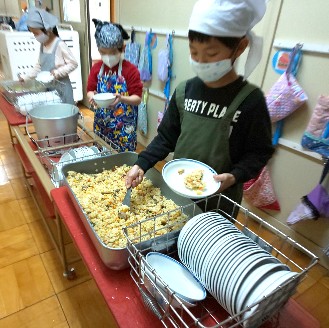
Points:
(117, 258)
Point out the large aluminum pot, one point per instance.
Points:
(55, 122)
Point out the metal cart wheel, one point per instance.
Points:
(70, 275)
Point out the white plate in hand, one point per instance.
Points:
(175, 180)
(45, 77)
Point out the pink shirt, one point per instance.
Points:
(65, 62)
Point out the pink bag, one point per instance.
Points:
(259, 192)
(286, 95)
(316, 135)
(160, 114)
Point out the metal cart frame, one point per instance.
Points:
(42, 164)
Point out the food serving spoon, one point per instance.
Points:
(125, 203)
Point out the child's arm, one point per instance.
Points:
(64, 61)
(129, 100)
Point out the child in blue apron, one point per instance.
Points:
(55, 56)
(118, 123)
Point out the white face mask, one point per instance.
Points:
(111, 60)
(42, 38)
(211, 72)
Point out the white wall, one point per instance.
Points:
(99, 9)
(167, 16)
(294, 173)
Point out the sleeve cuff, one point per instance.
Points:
(238, 176)
(144, 164)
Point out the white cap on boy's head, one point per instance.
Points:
(231, 18)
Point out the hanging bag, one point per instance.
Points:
(161, 114)
(286, 95)
(316, 135)
(167, 74)
(142, 113)
(144, 64)
(132, 50)
(164, 62)
(259, 191)
(145, 61)
(316, 203)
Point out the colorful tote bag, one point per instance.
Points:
(259, 192)
(316, 135)
(286, 95)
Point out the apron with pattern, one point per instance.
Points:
(47, 63)
(118, 124)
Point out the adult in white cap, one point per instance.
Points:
(55, 56)
(113, 74)
(217, 117)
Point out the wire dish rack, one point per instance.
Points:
(165, 304)
(28, 94)
(13, 89)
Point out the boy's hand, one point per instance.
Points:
(134, 177)
(226, 179)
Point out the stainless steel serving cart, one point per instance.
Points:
(209, 313)
(42, 162)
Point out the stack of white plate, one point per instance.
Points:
(232, 267)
